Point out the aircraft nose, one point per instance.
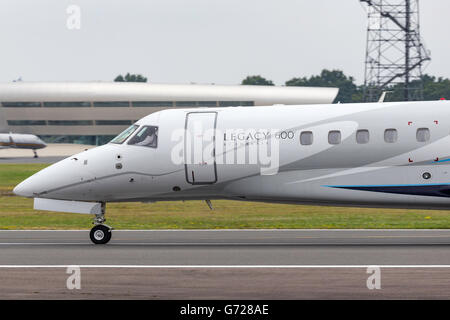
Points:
(24, 189)
(66, 179)
(38, 183)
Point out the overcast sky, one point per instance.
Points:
(201, 41)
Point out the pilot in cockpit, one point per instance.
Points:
(147, 136)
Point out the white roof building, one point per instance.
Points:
(76, 111)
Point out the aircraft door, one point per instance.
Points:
(199, 156)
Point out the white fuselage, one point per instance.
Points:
(377, 155)
(21, 141)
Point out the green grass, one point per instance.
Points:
(12, 174)
(18, 213)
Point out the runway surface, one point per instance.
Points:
(30, 159)
(52, 153)
(227, 264)
(233, 247)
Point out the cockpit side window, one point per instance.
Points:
(125, 134)
(147, 136)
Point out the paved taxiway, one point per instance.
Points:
(230, 264)
(228, 247)
(54, 152)
(30, 159)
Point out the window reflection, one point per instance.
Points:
(124, 135)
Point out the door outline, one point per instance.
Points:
(193, 182)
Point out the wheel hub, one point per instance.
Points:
(99, 235)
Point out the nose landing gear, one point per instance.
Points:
(100, 233)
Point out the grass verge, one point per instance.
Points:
(18, 213)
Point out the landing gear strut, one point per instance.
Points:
(35, 154)
(100, 233)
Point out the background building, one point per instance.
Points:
(92, 113)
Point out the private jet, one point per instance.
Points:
(390, 155)
(21, 141)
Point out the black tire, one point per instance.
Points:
(100, 234)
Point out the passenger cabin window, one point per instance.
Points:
(390, 135)
(334, 137)
(306, 138)
(362, 136)
(124, 135)
(423, 134)
(147, 136)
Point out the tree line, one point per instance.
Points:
(433, 88)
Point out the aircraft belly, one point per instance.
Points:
(393, 186)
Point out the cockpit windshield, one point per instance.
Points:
(147, 136)
(125, 134)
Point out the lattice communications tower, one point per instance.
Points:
(395, 54)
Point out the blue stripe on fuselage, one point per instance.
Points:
(431, 190)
